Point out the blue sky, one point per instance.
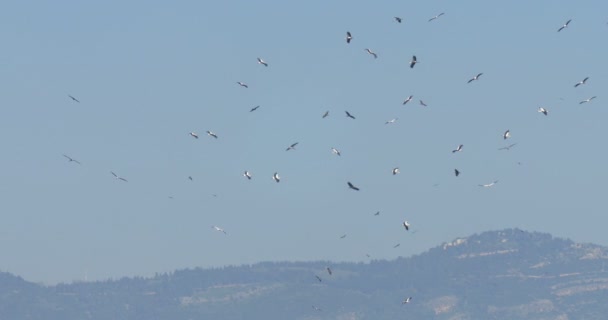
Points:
(148, 72)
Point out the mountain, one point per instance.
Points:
(507, 274)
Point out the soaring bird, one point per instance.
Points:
(508, 147)
(292, 146)
(325, 114)
(317, 308)
(488, 185)
(372, 53)
(436, 17)
(506, 135)
(211, 134)
(406, 225)
(318, 278)
(407, 300)
(349, 37)
(395, 171)
(475, 77)
(587, 100)
(72, 159)
(377, 213)
(422, 103)
(352, 186)
(581, 82)
(343, 236)
(456, 172)
(216, 228)
(329, 271)
(247, 175)
(276, 177)
(398, 19)
(190, 178)
(72, 97)
(194, 135)
(408, 100)
(117, 177)
(262, 62)
(413, 62)
(254, 108)
(458, 149)
(349, 115)
(335, 151)
(543, 110)
(242, 84)
(564, 26)
(393, 120)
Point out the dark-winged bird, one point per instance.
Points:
(407, 100)
(456, 172)
(72, 159)
(71, 97)
(262, 62)
(587, 100)
(350, 185)
(436, 17)
(475, 77)
(254, 108)
(458, 149)
(398, 19)
(349, 37)
(349, 115)
(413, 62)
(292, 146)
(564, 26)
(581, 82)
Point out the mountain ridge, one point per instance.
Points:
(505, 274)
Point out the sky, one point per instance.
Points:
(147, 73)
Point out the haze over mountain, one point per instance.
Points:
(508, 274)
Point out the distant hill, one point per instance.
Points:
(509, 274)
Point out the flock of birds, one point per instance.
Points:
(349, 38)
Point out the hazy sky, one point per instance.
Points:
(147, 73)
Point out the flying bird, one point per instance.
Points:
(325, 114)
(317, 308)
(117, 177)
(456, 172)
(372, 53)
(397, 245)
(336, 151)
(72, 97)
(254, 108)
(343, 236)
(564, 26)
(395, 171)
(391, 121)
(436, 17)
(422, 103)
(72, 159)
(407, 300)
(543, 110)
(190, 178)
(349, 115)
(242, 84)
(329, 271)
(349, 37)
(292, 146)
(318, 278)
(475, 77)
(350, 185)
(398, 19)
(458, 149)
(407, 100)
(377, 213)
(216, 228)
(262, 62)
(581, 82)
(276, 177)
(406, 225)
(488, 185)
(506, 135)
(247, 175)
(508, 147)
(194, 135)
(211, 134)
(587, 100)
(413, 62)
